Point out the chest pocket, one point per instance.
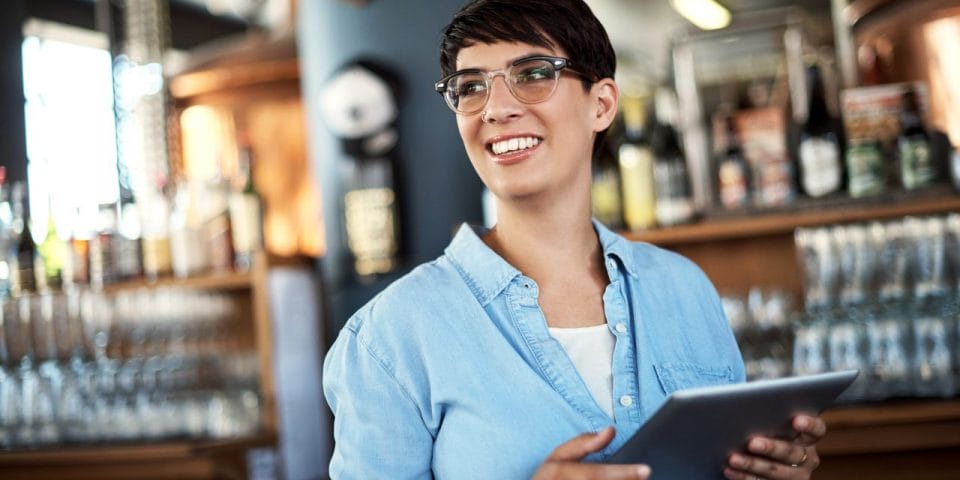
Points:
(681, 375)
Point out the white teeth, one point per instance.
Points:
(516, 143)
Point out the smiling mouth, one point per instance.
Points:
(515, 144)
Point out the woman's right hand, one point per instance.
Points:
(564, 462)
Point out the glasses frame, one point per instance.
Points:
(559, 64)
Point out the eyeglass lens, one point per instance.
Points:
(531, 81)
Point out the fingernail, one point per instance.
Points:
(738, 461)
(758, 445)
(643, 470)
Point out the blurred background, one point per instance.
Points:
(196, 194)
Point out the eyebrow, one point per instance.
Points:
(509, 62)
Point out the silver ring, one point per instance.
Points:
(803, 459)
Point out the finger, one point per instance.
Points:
(567, 470)
(811, 429)
(761, 467)
(582, 445)
(790, 453)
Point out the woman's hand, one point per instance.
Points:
(564, 462)
(775, 459)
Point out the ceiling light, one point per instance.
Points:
(705, 14)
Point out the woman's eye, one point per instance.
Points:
(534, 73)
(470, 88)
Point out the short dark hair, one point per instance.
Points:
(567, 24)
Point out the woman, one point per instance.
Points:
(544, 343)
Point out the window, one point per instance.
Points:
(70, 128)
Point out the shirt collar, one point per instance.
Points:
(616, 247)
(485, 272)
(488, 273)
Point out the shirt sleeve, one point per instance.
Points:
(378, 429)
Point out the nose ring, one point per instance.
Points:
(483, 116)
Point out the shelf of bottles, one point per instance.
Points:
(116, 338)
(871, 153)
(880, 296)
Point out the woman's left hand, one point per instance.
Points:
(776, 459)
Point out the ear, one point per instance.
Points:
(607, 98)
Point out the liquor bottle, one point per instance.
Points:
(674, 201)
(246, 218)
(126, 244)
(607, 203)
(7, 237)
(155, 241)
(102, 268)
(218, 240)
(733, 172)
(79, 245)
(821, 168)
(636, 167)
(22, 273)
(52, 255)
(188, 254)
(917, 166)
(955, 168)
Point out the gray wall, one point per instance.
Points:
(438, 188)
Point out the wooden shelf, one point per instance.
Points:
(208, 459)
(107, 453)
(807, 214)
(213, 281)
(892, 427)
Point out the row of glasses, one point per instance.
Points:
(761, 320)
(88, 366)
(876, 262)
(881, 297)
(901, 350)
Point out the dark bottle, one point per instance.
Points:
(917, 166)
(733, 172)
(22, 274)
(607, 202)
(674, 198)
(821, 166)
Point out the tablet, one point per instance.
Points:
(694, 432)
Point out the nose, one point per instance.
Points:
(501, 104)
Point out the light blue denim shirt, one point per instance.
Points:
(451, 373)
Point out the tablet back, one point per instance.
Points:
(693, 433)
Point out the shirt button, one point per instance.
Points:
(626, 400)
(621, 328)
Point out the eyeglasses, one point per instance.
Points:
(530, 80)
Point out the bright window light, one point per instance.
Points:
(71, 138)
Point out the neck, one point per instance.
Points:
(544, 239)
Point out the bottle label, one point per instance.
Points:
(916, 166)
(820, 160)
(865, 168)
(371, 225)
(733, 185)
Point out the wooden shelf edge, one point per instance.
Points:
(785, 222)
(213, 281)
(893, 413)
(129, 453)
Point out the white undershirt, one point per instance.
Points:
(591, 350)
